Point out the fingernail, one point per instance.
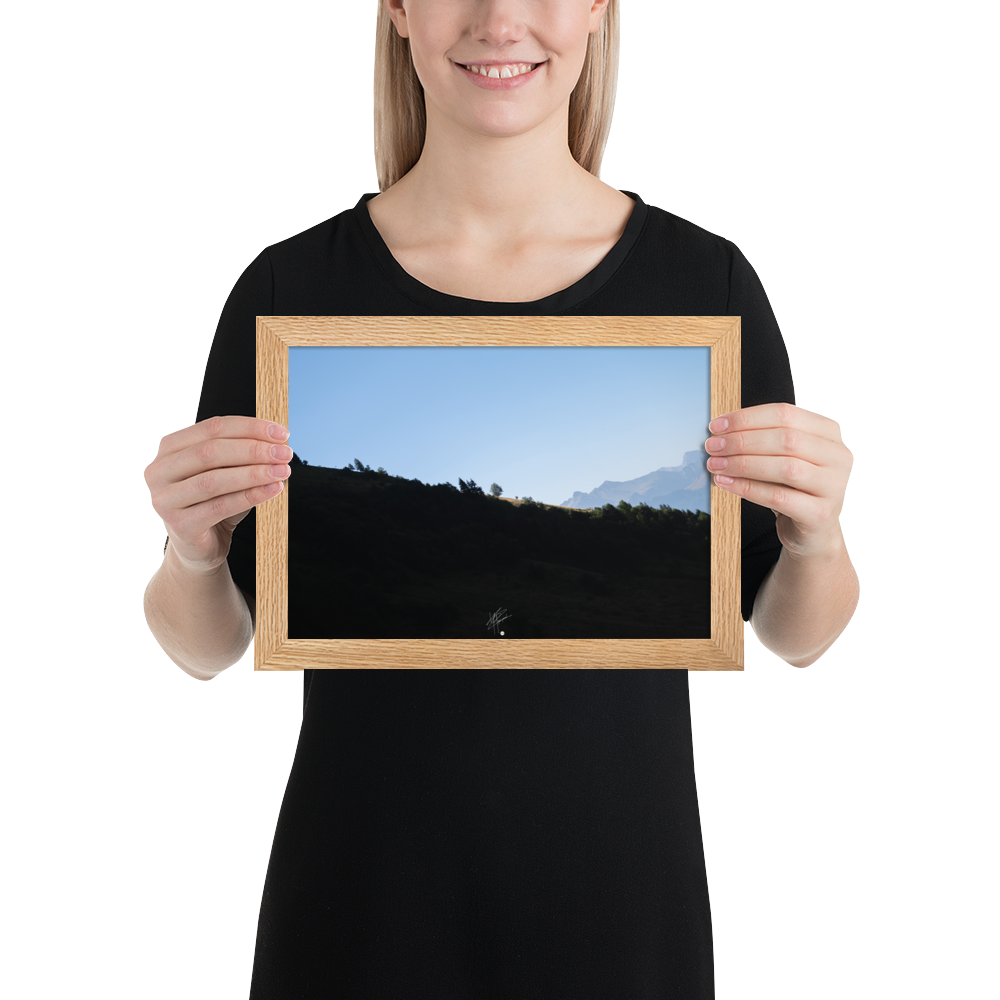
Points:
(277, 431)
(718, 425)
(716, 464)
(715, 444)
(272, 487)
(724, 480)
(281, 452)
(280, 471)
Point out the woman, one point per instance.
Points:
(491, 833)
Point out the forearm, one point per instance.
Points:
(200, 619)
(805, 602)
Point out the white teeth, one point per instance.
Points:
(515, 69)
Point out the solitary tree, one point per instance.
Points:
(361, 467)
(496, 490)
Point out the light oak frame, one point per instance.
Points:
(273, 650)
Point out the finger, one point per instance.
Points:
(196, 505)
(783, 415)
(169, 466)
(223, 427)
(779, 441)
(199, 518)
(803, 508)
(816, 480)
(214, 483)
(226, 453)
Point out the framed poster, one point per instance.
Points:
(394, 544)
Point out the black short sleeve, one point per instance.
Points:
(766, 378)
(229, 386)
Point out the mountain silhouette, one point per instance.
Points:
(683, 487)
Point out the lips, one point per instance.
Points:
(499, 71)
(500, 76)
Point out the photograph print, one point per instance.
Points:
(499, 492)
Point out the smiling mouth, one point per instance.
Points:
(502, 71)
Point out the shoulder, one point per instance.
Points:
(672, 233)
(315, 240)
(712, 262)
(328, 269)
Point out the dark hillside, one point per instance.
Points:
(376, 556)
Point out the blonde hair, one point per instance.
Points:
(401, 119)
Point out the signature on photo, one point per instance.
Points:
(498, 616)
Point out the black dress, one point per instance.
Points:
(479, 834)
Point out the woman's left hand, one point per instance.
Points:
(789, 459)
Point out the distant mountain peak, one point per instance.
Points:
(684, 487)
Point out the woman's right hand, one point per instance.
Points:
(206, 478)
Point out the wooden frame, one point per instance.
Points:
(273, 650)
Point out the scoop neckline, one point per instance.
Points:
(565, 298)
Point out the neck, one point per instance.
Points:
(475, 186)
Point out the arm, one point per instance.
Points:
(200, 618)
(805, 602)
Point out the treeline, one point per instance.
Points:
(696, 525)
(463, 487)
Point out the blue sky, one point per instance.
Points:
(540, 421)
